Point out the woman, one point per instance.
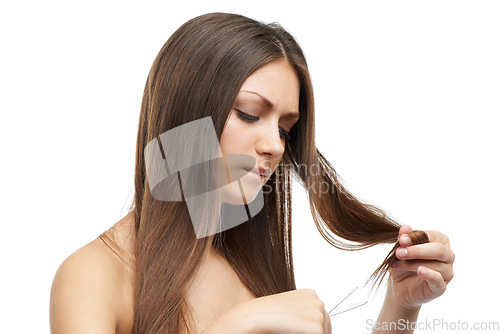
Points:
(180, 262)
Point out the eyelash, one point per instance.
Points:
(248, 118)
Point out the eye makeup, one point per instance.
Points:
(249, 118)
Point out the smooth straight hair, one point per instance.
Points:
(198, 73)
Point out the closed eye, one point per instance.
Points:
(246, 117)
(249, 118)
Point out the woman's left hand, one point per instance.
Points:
(423, 270)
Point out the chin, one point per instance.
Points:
(232, 194)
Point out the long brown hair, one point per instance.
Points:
(198, 73)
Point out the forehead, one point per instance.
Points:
(277, 81)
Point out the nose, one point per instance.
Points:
(270, 141)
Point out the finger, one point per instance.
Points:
(327, 324)
(428, 251)
(445, 269)
(400, 275)
(404, 229)
(405, 240)
(436, 236)
(434, 280)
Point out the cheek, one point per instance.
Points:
(231, 136)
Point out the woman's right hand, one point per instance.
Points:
(294, 312)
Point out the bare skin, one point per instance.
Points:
(94, 283)
(219, 301)
(92, 290)
(215, 288)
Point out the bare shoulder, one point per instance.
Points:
(87, 292)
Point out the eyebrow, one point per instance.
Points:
(270, 104)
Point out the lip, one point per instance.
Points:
(255, 175)
(264, 171)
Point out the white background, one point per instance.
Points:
(407, 104)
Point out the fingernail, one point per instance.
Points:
(405, 239)
(423, 270)
(402, 252)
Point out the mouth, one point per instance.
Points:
(254, 174)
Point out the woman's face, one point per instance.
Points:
(265, 109)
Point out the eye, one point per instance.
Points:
(285, 134)
(248, 118)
